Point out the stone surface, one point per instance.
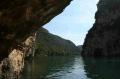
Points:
(19, 20)
(103, 38)
(12, 66)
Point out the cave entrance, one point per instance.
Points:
(73, 24)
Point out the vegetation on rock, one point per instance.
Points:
(49, 44)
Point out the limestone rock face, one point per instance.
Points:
(103, 38)
(19, 20)
(12, 66)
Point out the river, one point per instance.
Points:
(71, 67)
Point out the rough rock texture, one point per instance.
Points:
(19, 19)
(103, 38)
(11, 66)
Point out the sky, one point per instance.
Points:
(73, 24)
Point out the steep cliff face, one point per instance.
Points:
(103, 38)
(19, 20)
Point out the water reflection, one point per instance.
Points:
(71, 67)
(102, 68)
(55, 67)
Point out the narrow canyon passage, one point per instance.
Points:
(86, 68)
(73, 24)
(54, 51)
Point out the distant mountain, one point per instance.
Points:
(80, 47)
(49, 44)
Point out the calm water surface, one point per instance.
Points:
(71, 67)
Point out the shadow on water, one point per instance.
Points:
(102, 68)
(71, 67)
(55, 67)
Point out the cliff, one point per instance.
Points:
(49, 44)
(103, 38)
(19, 20)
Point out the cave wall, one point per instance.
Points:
(20, 18)
(103, 38)
(19, 21)
(12, 66)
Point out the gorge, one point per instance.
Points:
(20, 19)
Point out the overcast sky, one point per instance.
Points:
(74, 23)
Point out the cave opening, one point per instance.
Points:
(75, 21)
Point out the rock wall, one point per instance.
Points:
(19, 20)
(12, 66)
(103, 38)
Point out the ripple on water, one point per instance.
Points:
(57, 67)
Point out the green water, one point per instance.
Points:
(71, 67)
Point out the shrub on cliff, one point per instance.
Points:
(49, 44)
